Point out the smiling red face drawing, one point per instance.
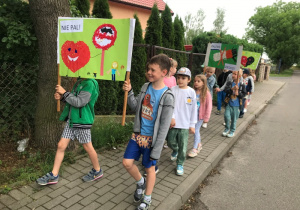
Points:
(75, 55)
(105, 36)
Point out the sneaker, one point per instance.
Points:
(224, 124)
(230, 135)
(139, 192)
(47, 179)
(179, 170)
(93, 175)
(225, 132)
(204, 125)
(193, 153)
(245, 110)
(218, 112)
(144, 205)
(174, 156)
(241, 116)
(199, 148)
(156, 171)
(166, 146)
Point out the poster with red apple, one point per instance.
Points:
(95, 48)
(250, 59)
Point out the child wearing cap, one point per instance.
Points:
(184, 118)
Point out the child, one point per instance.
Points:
(248, 82)
(204, 105)
(154, 107)
(79, 114)
(236, 91)
(252, 78)
(221, 94)
(170, 80)
(211, 81)
(183, 119)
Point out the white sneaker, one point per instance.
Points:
(248, 103)
(245, 110)
(224, 124)
(204, 125)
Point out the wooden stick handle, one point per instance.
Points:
(125, 99)
(59, 83)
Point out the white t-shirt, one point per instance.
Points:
(185, 110)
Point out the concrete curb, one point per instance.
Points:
(184, 190)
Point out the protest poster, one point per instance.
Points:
(250, 59)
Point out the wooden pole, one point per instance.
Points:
(59, 83)
(125, 99)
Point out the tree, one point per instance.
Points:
(219, 22)
(193, 25)
(101, 9)
(154, 28)
(83, 6)
(277, 28)
(44, 15)
(167, 28)
(179, 41)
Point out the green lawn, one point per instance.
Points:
(285, 73)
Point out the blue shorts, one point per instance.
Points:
(139, 144)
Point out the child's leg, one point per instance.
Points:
(234, 117)
(246, 104)
(182, 139)
(92, 154)
(219, 100)
(227, 117)
(171, 139)
(151, 176)
(60, 153)
(242, 107)
(197, 137)
(132, 169)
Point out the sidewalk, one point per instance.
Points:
(115, 190)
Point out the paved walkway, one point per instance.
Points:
(115, 190)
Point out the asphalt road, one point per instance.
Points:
(263, 171)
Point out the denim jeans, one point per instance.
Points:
(231, 114)
(220, 96)
(242, 106)
(197, 137)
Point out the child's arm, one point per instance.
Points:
(194, 115)
(78, 101)
(216, 83)
(165, 120)
(208, 107)
(210, 83)
(252, 83)
(132, 101)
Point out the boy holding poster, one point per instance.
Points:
(154, 108)
(79, 114)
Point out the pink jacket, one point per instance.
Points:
(205, 109)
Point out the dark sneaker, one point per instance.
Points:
(241, 116)
(93, 175)
(139, 192)
(144, 205)
(156, 170)
(218, 112)
(47, 179)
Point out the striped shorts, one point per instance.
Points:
(82, 135)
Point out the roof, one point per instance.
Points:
(146, 4)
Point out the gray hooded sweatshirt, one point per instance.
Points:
(163, 118)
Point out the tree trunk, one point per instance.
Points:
(44, 14)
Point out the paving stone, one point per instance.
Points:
(88, 191)
(113, 163)
(131, 207)
(107, 206)
(28, 190)
(62, 182)
(41, 208)
(168, 184)
(92, 206)
(45, 191)
(114, 176)
(157, 197)
(130, 181)
(163, 188)
(54, 202)
(24, 208)
(112, 170)
(58, 192)
(121, 206)
(71, 201)
(106, 197)
(84, 163)
(119, 197)
(39, 202)
(116, 182)
(89, 199)
(74, 183)
(77, 175)
(103, 190)
(130, 189)
(72, 192)
(77, 167)
(120, 188)
(20, 203)
(7, 200)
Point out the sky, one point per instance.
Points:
(237, 12)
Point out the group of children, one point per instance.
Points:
(166, 109)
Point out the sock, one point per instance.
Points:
(141, 181)
(147, 198)
(95, 170)
(52, 174)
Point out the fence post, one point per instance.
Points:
(190, 66)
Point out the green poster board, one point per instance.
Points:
(95, 48)
(250, 59)
(223, 56)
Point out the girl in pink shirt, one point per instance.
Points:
(169, 79)
(204, 105)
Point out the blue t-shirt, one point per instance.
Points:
(149, 109)
(236, 101)
(113, 71)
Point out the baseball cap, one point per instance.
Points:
(184, 71)
(246, 71)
